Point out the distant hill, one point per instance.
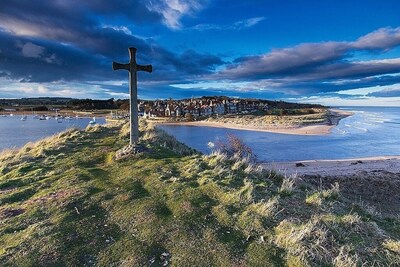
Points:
(92, 104)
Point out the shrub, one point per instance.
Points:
(235, 148)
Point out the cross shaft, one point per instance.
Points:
(133, 68)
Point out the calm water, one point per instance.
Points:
(16, 133)
(371, 131)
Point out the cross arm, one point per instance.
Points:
(119, 66)
(147, 68)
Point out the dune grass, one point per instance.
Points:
(65, 201)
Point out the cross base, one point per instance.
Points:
(129, 150)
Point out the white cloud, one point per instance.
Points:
(54, 89)
(123, 29)
(41, 89)
(173, 10)
(238, 25)
(248, 22)
(119, 95)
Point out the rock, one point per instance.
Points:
(357, 162)
(129, 150)
(152, 260)
(165, 257)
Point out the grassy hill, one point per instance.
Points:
(65, 201)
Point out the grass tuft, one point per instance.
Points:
(321, 196)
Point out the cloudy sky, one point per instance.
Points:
(329, 52)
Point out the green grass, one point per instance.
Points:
(65, 201)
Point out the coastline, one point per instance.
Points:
(334, 116)
(338, 167)
(72, 113)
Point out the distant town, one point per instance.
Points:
(191, 107)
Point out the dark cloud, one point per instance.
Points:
(294, 87)
(195, 63)
(47, 62)
(74, 23)
(386, 93)
(327, 60)
(65, 40)
(165, 91)
(381, 39)
(60, 19)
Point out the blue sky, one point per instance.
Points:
(328, 52)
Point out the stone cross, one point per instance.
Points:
(133, 68)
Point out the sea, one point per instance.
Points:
(370, 132)
(15, 133)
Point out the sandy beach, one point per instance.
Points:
(372, 183)
(341, 167)
(335, 115)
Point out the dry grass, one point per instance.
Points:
(273, 120)
(320, 196)
(345, 258)
(287, 185)
(392, 245)
(156, 137)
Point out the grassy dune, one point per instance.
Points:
(301, 118)
(65, 201)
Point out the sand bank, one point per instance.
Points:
(334, 117)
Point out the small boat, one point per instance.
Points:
(42, 117)
(92, 122)
(4, 115)
(59, 119)
(23, 118)
(34, 115)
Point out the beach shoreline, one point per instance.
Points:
(338, 167)
(334, 116)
